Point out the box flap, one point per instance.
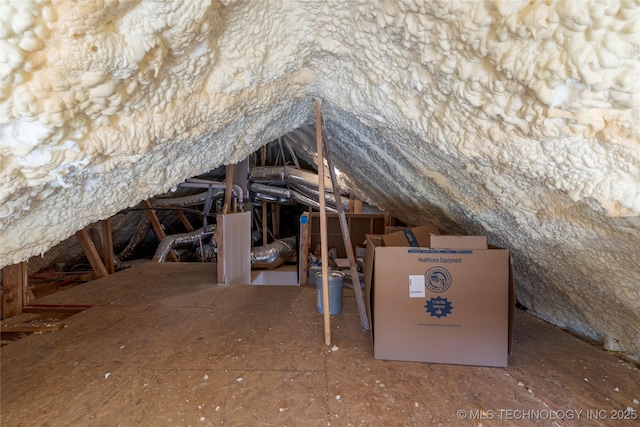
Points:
(416, 236)
(512, 304)
(459, 242)
(373, 241)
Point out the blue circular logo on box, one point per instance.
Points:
(437, 279)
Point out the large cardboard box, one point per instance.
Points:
(443, 305)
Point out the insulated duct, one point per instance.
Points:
(281, 175)
(267, 193)
(193, 200)
(205, 183)
(274, 254)
(169, 242)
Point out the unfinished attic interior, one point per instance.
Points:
(161, 190)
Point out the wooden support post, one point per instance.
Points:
(357, 206)
(227, 190)
(323, 229)
(303, 256)
(265, 235)
(107, 246)
(275, 220)
(92, 253)
(157, 227)
(14, 280)
(346, 238)
(27, 293)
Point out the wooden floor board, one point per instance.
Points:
(163, 344)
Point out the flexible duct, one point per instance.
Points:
(270, 190)
(295, 197)
(137, 237)
(313, 193)
(274, 254)
(300, 193)
(193, 200)
(280, 175)
(169, 242)
(205, 183)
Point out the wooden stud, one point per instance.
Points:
(157, 227)
(323, 229)
(228, 189)
(27, 293)
(275, 220)
(91, 253)
(107, 246)
(265, 235)
(357, 206)
(304, 248)
(184, 220)
(13, 283)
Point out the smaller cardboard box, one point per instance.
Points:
(414, 237)
(440, 305)
(459, 242)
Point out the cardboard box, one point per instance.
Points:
(451, 306)
(359, 226)
(415, 237)
(459, 242)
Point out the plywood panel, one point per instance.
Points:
(234, 248)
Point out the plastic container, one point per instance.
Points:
(336, 284)
(312, 274)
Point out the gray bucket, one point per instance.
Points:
(336, 283)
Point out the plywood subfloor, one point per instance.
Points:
(164, 346)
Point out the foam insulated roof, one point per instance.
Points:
(514, 119)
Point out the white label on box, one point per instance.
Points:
(416, 286)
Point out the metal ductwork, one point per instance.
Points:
(274, 254)
(169, 242)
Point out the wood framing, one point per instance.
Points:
(157, 227)
(91, 253)
(14, 280)
(107, 246)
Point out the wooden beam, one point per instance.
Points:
(275, 220)
(228, 190)
(13, 283)
(157, 227)
(265, 235)
(184, 220)
(346, 238)
(91, 253)
(323, 229)
(31, 328)
(357, 206)
(304, 248)
(27, 293)
(107, 246)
